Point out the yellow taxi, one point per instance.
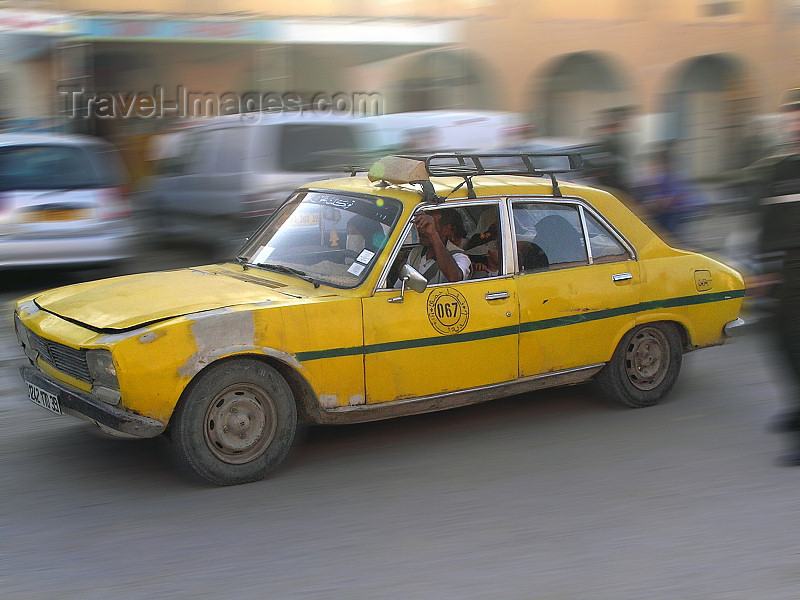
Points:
(323, 317)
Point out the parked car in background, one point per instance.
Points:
(62, 202)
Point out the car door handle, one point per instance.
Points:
(497, 295)
(621, 277)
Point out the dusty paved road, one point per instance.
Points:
(554, 495)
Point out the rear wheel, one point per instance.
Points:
(236, 423)
(645, 365)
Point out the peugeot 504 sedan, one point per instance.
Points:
(321, 319)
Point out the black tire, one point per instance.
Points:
(236, 422)
(644, 367)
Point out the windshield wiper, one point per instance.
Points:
(284, 269)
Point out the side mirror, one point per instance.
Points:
(412, 278)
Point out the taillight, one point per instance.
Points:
(516, 134)
(114, 203)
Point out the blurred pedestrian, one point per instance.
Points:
(778, 177)
(615, 140)
(664, 193)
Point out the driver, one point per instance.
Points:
(438, 256)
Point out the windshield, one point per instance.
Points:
(327, 238)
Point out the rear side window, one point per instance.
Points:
(604, 245)
(43, 167)
(317, 146)
(549, 236)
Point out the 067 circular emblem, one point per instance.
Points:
(448, 310)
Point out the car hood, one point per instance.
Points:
(130, 301)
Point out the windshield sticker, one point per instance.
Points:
(263, 254)
(356, 269)
(448, 310)
(336, 201)
(365, 256)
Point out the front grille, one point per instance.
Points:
(65, 359)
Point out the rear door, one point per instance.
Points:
(574, 303)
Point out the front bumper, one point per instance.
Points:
(85, 406)
(86, 250)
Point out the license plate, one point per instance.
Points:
(56, 215)
(43, 398)
(312, 219)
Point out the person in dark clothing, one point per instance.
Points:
(615, 141)
(778, 177)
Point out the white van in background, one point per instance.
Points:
(448, 130)
(232, 172)
(223, 176)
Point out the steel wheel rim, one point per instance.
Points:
(240, 424)
(647, 358)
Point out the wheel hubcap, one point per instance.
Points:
(240, 424)
(647, 358)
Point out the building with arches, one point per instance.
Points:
(706, 72)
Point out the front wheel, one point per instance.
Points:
(236, 423)
(644, 367)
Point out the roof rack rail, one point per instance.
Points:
(469, 165)
(458, 164)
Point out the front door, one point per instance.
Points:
(451, 337)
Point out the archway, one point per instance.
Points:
(574, 89)
(444, 79)
(708, 103)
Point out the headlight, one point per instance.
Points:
(102, 369)
(24, 338)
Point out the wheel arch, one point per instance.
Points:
(683, 329)
(304, 397)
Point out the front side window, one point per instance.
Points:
(548, 236)
(471, 231)
(317, 146)
(196, 149)
(325, 237)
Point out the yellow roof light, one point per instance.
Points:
(398, 170)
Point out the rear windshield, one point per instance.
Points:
(38, 167)
(314, 147)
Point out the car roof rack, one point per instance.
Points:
(469, 165)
